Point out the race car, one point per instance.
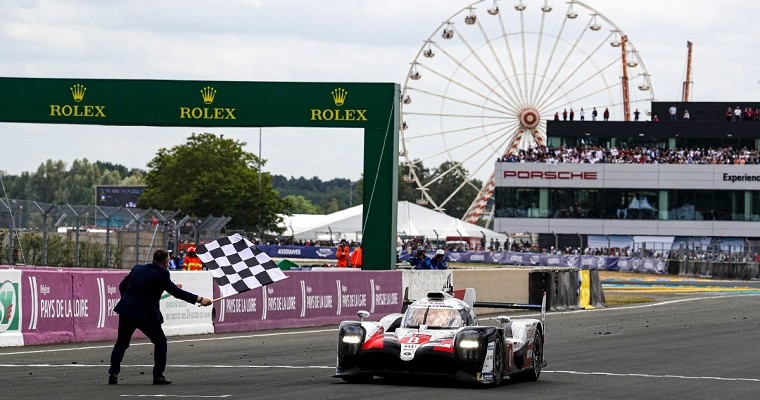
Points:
(440, 335)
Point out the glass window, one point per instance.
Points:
(682, 205)
(587, 203)
(517, 202)
(755, 199)
(729, 206)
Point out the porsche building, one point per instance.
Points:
(707, 200)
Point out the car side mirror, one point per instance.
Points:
(362, 314)
(503, 319)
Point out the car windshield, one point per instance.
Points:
(433, 317)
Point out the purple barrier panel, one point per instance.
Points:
(48, 307)
(99, 292)
(549, 260)
(479, 256)
(310, 298)
(652, 266)
(611, 264)
(571, 261)
(625, 264)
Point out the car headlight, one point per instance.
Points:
(468, 344)
(350, 340)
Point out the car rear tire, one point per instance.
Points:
(532, 374)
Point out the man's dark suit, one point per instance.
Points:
(139, 309)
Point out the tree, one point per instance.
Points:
(78, 187)
(407, 191)
(451, 178)
(300, 205)
(44, 183)
(210, 175)
(332, 206)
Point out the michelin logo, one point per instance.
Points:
(324, 253)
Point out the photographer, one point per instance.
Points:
(439, 261)
(420, 260)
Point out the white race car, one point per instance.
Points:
(440, 335)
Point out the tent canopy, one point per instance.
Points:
(413, 220)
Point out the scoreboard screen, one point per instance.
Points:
(118, 196)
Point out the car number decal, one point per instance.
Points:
(410, 344)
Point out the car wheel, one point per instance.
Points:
(532, 374)
(498, 361)
(358, 378)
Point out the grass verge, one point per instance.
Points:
(613, 300)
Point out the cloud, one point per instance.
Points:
(326, 40)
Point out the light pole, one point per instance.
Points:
(350, 192)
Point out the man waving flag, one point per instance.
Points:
(237, 265)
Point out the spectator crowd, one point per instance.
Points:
(635, 155)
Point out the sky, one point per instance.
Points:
(305, 40)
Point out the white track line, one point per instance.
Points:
(334, 329)
(257, 335)
(190, 366)
(180, 396)
(647, 305)
(714, 378)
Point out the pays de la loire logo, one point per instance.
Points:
(78, 109)
(208, 94)
(339, 96)
(9, 307)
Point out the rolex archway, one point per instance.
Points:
(371, 106)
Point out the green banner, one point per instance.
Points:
(196, 103)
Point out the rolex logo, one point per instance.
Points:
(338, 114)
(78, 110)
(77, 91)
(339, 96)
(208, 94)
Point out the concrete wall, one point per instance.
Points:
(496, 285)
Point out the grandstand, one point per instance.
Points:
(687, 181)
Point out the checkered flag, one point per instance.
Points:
(237, 265)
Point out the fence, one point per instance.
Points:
(34, 233)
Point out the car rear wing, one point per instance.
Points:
(519, 306)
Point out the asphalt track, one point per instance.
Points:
(692, 346)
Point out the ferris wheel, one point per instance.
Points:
(485, 82)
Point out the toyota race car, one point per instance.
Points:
(440, 335)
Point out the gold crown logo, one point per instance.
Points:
(208, 94)
(78, 92)
(339, 96)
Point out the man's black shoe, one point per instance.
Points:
(113, 379)
(161, 381)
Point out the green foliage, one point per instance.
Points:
(332, 206)
(210, 175)
(336, 194)
(54, 183)
(451, 178)
(300, 205)
(61, 252)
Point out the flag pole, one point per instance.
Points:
(212, 300)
